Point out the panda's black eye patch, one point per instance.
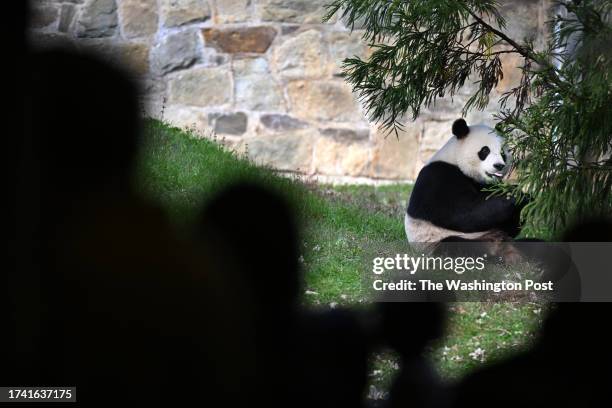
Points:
(484, 152)
(503, 155)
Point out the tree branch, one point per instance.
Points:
(520, 49)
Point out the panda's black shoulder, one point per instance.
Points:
(442, 175)
(438, 185)
(440, 168)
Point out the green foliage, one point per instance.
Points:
(557, 121)
(422, 50)
(563, 139)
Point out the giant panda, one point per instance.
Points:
(448, 202)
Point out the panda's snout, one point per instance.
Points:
(499, 166)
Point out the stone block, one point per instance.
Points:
(303, 56)
(282, 123)
(43, 15)
(344, 44)
(293, 11)
(291, 151)
(132, 56)
(67, 13)
(255, 87)
(522, 18)
(336, 158)
(176, 13)
(233, 11)
(324, 101)
(511, 64)
(234, 123)
(347, 135)
(175, 51)
(202, 87)
(241, 39)
(98, 18)
(396, 158)
(139, 18)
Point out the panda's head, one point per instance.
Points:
(478, 151)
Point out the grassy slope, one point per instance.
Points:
(181, 172)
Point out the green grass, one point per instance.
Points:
(182, 172)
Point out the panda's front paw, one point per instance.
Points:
(520, 201)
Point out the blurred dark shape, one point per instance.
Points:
(334, 350)
(597, 229)
(125, 309)
(257, 229)
(16, 25)
(121, 307)
(408, 328)
(252, 232)
(557, 266)
(555, 258)
(568, 366)
(86, 124)
(15, 265)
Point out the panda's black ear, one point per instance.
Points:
(460, 128)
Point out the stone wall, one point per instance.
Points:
(264, 76)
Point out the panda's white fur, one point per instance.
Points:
(463, 153)
(424, 231)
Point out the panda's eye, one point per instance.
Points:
(484, 152)
(503, 155)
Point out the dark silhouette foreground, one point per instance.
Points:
(110, 299)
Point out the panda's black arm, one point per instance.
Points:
(482, 215)
(513, 226)
(446, 197)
